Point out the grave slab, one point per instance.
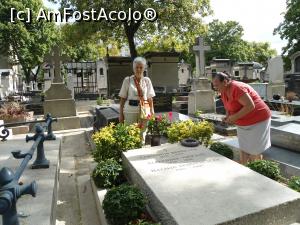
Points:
(189, 186)
(41, 209)
(289, 161)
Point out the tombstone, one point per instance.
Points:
(188, 186)
(219, 65)
(163, 69)
(58, 98)
(274, 76)
(162, 102)
(184, 73)
(295, 60)
(292, 78)
(7, 82)
(70, 83)
(105, 116)
(102, 77)
(117, 69)
(31, 86)
(202, 96)
(35, 86)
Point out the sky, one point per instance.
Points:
(258, 18)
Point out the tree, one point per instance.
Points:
(178, 15)
(262, 52)
(226, 41)
(88, 49)
(289, 29)
(28, 42)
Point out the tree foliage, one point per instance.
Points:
(178, 16)
(289, 29)
(91, 48)
(28, 42)
(226, 41)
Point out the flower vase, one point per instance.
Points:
(155, 140)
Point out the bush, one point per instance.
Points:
(294, 183)
(123, 204)
(201, 131)
(265, 167)
(222, 149)
(11, 111)
(107, 173)
(111, 140)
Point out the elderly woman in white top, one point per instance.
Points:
(129, 98)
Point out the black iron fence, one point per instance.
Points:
(10, 189)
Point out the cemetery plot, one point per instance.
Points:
(189, 186)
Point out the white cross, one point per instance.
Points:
(199, 50)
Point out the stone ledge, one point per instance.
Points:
(66, 123)
(41, 210)
(99, 197)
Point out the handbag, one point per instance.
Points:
(144, 106)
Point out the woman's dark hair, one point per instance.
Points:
(221, 76)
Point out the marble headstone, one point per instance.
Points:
(189, 186)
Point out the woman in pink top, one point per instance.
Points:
(248, 112)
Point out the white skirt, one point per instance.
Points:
(255, 139)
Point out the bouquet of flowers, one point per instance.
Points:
(158, 125)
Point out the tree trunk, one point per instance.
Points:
(27, 75)
(130, 31)
(133, 52)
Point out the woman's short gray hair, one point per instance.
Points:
(139, 60)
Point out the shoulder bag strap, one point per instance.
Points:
(138, 87)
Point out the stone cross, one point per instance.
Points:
(199, 50)
(55, 58)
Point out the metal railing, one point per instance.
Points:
(10, 189)
(5, 131)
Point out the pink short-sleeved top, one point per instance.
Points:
(232, 105)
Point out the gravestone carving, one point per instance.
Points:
(58, 98)
(202, 96)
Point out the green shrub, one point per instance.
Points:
(294, 183)
(111, 140)
(107, 173)
(143, 222)
(222, 149)
(265, 167)
(201, 131)
(123, 204)
(102, 101)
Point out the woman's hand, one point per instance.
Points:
(231, 119)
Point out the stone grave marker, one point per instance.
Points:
(105, 116)
(202, 96)
(58, 98)
(189, 186)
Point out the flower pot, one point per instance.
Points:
(155, 140)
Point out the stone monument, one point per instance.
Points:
(196, 186)
(201, 96)
(70, 83)
(274, 76)
(58, 98)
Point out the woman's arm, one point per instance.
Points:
(122, 103)
(150, 100)
(248, 105)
